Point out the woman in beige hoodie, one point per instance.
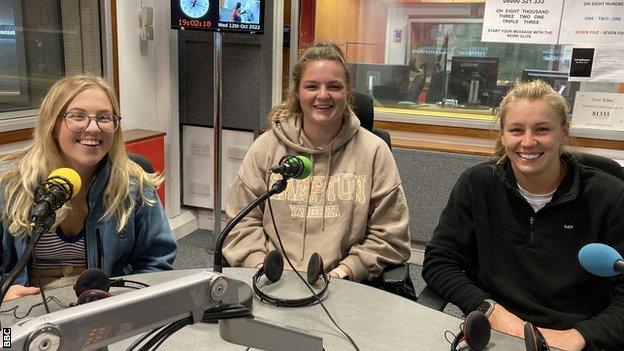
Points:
(351, 210)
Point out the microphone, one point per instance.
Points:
(601, 260)
(293, 166)
(60, 186)
(289, 166)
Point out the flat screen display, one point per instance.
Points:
(472, 79)
(239, 16)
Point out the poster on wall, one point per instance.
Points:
(599, 111)
(597, 64)
(592, 22)
(239, 16)
(522, 21)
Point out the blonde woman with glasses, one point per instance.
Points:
(115, 222)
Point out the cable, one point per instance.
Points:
(43, 297)
(49, 298)
(165, 333)
(141, 339)
(279, 239)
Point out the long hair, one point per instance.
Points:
(27, 168)
(321, 51)
(534, 90)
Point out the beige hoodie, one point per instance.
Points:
(351, 210)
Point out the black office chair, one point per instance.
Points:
(603, 163)
(141, 161)
(431, 299)
(394, 279)
(363, 109)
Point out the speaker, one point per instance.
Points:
(475, 331)
(273, 268)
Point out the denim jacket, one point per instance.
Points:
(145, 244)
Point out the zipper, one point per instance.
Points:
(100, 253)
(532, 229)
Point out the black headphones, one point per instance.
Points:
(93, 284)
(475, 331)
(533, 338)
(274, 266)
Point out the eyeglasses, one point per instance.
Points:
(78, 121)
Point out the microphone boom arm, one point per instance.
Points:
(99, 323)
(277, 188)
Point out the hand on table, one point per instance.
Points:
(342, 272)
(17, 290)
(569, 339)
(506, 322)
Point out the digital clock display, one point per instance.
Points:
(218, 15)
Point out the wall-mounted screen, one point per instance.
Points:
(239, 16)
(472, 79)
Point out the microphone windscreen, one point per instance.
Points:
(307, 166)
(599, 259)
(63, 176)
(92, 279)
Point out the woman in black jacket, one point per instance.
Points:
(507, 241)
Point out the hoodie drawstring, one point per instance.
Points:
(327, 173)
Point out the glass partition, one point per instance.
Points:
(426, 58)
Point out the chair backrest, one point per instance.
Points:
(363, 109)
(142, 161)
(603, 163)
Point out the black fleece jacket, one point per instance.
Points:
(490, 243)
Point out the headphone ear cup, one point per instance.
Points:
(92, 295)
(92, 279)
(533, 338)
(315, 268)
(477, 330)
(273, 266)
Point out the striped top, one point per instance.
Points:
(55, 249)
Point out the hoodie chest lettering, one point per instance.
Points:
(341, 186)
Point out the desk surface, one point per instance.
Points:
(376, 320)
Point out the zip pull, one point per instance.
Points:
(531, 229)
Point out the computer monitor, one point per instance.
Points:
(472, 79)
(556, 79)
(384, 82)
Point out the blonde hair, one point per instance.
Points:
(321, 51)
(534, 90)
(27, 168)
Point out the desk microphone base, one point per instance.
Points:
(263, 335)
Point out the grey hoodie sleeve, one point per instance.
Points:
(387, 233)
(246, 244)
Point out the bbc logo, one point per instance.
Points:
(6, 338)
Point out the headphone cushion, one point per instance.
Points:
(315, 268)
(477, 330)
(533, 338)
(90, 279)
(92, 295)
(273, 266)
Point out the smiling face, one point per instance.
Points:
(532, 135)
(323, 96)
(82, 151)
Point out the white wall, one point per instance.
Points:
(148, 84)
